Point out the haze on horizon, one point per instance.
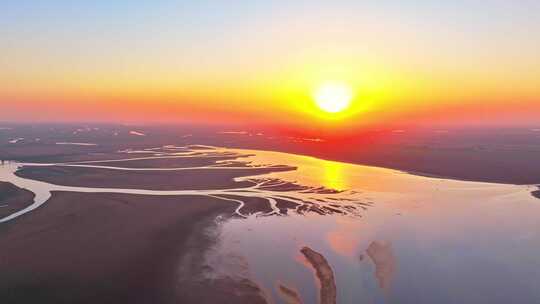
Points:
(178, 61)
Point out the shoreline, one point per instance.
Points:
(139, 246)
(396, 168)
(116, 252)
(414, 173)
(330, 159)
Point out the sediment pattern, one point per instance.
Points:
(281, 196)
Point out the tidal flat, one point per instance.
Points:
(199, 224)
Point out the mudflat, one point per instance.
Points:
(13, 198)
(174, 223)
(109, 248)
(506, 155)
(193, 179)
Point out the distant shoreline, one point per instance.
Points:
(493, 156)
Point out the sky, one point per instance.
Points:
(410, 62)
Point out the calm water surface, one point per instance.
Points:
(421, 240)
(424, 240)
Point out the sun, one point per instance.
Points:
(333, 97)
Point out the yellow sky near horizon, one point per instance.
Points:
(264, 63)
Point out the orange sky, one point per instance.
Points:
(242, 62)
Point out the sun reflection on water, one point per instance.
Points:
(333, 177)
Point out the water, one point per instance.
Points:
(424, 240)
(397, 238)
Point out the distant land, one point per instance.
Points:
(499, 155)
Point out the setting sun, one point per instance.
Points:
(333, 97)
